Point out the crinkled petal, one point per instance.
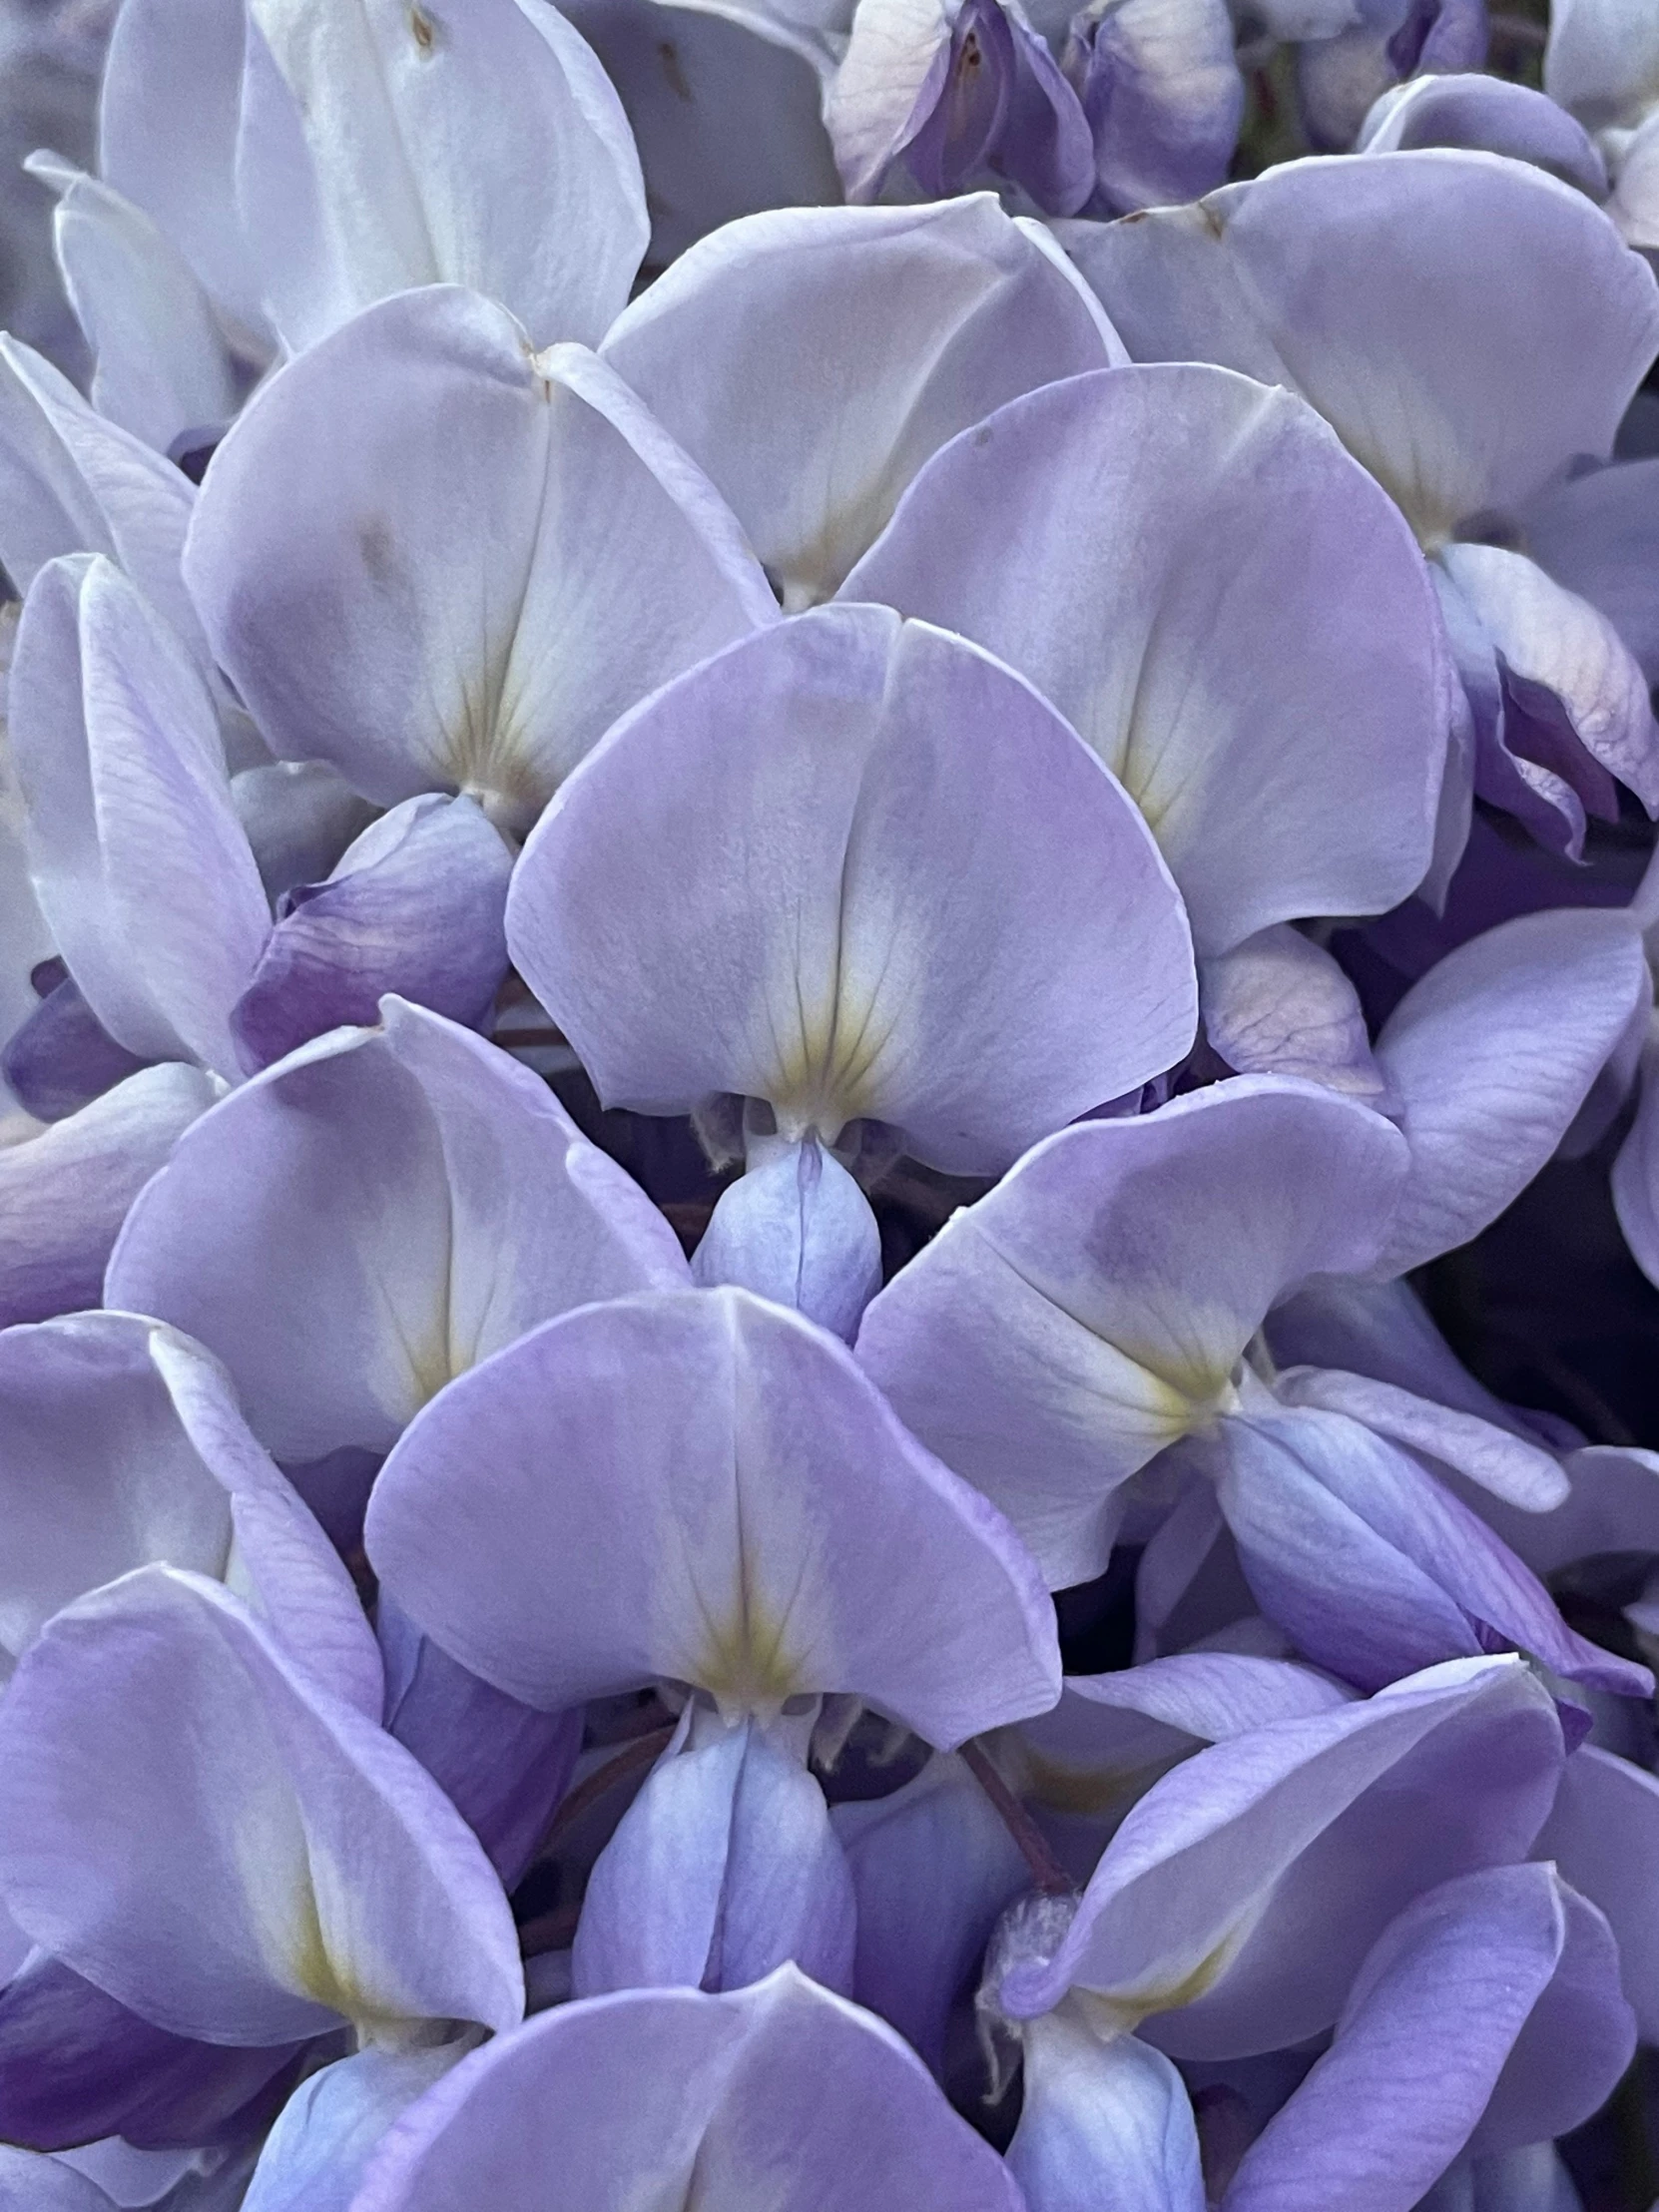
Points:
(481, 145)
(1278, 1004)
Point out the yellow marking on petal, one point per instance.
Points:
(1112, 2013)
(745, 1664)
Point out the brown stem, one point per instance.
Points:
(505, 1034)
(1518, 30)
(554, 1930)
(1046, 1871)
(640, 1752)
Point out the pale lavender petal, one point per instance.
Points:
(1488, 114)
(1106, 2125)
(63, 1057)
(1510, 1466)
(933, 1867)
(321, 555)
(1391, 293)
(65, 1191)
(1602, 60)
(281, 1563)
(502, 1765)
(1273, 1862)
(1383, 1330)
(74, 483)
(210, 1837)
(415, 1199)
(167, 132)
(1635, 1177)
(701, 1486)
(30, 2182)
(724, 1866)
(1433, 2016)
(97, 1474)
(1595, 536)
(797, 1229)
(163, 368)
(330, 2129)
(1187, 525)
(142, 867)
(1490, 1057)
(812, 360)
(482, 146)
(732, 128)
(1550, 642)
(782, 2099)
(1092, 1310)
(778, 878)
(1278, 1004)
(1322, 1507)
(1603, 1834)
(1213, 1695)
(1164, 96)
(300, 817)
(1575, 2047)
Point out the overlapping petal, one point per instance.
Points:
(857, 870)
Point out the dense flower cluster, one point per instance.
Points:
(751, 909)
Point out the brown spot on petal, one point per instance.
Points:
(677, 83)
(378, 549)
(424, 29)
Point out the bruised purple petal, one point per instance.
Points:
(1163, 95)
(76, 2065)
(415, 906)
(502, 1765)
(63, 1057)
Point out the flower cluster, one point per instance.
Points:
(753, 915)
